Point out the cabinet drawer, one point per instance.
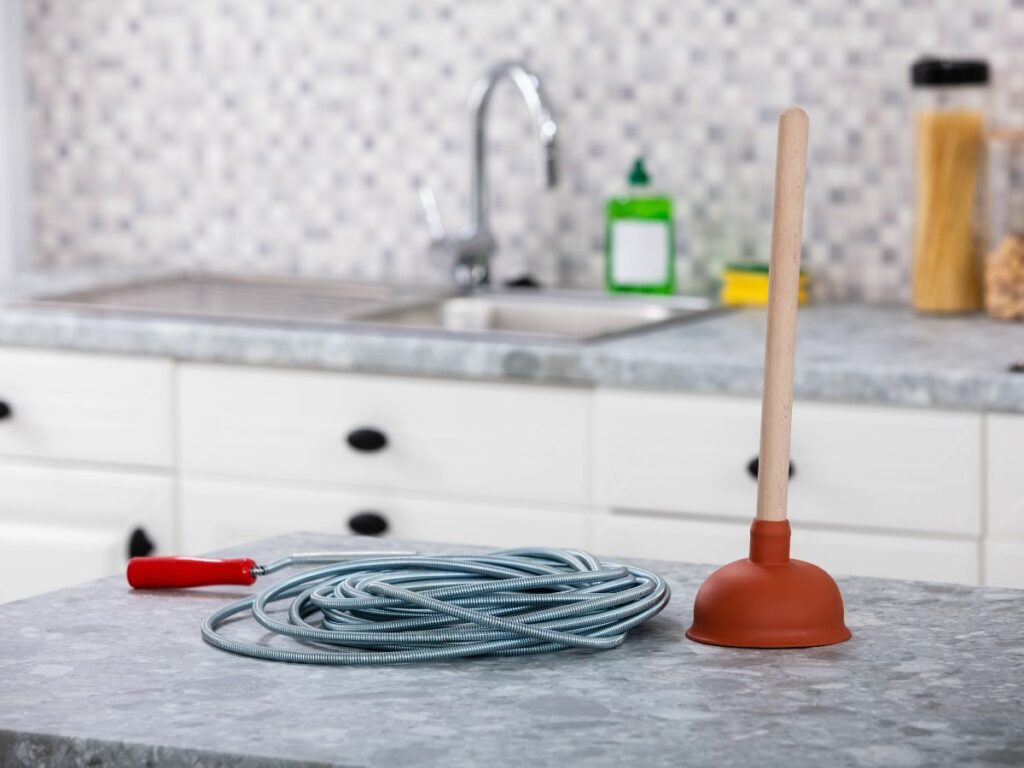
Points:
(66, 526)
(85, 407)
(1004, 561)
(1005, 480)
(839, 552)
(485, 440)
(1004, 545)
(218, 514)
(853, 465)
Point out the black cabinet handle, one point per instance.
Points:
(752, 467)
(367, 439)
(368, 523)
(5, 410)
(139, 544)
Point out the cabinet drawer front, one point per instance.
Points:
(853, 465)
(1005, 462)
(1004, 561)
(60, 527)
(85, 407)
(839, 552)
(487, 440)
(218, 514)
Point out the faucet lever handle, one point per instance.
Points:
(431, 213)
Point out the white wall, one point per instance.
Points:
(14, 239)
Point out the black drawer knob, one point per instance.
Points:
(139, 544)
(5, 410)
(367, 439)
(368, 523)
(752, 468)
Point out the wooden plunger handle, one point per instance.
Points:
(780, 343)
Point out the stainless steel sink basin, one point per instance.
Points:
(566, 316)
(551, 315)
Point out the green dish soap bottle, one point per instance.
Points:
(639, 243)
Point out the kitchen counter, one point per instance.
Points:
(102, 675)
(850, 353)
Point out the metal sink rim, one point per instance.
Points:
(391, 299)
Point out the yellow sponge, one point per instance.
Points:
(745, 284)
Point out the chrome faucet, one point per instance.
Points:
(471, 251)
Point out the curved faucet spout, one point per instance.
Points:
(530, 89)
(470, 251)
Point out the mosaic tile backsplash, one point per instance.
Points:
(292, 135)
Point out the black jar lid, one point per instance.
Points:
(929, 72)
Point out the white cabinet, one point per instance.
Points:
(482, 440)
(268, 451)
(96, 446)
(1004, 541)
(85, 442)
(874, 467)
(65, 526)
(217, 513)
(840, 552)
(94, 408)
(875, 491)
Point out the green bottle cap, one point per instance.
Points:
(638, 176)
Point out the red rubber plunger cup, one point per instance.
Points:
(769, 600)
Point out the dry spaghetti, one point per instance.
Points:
(947, 269)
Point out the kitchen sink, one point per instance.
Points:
(556, 315)
(512, 313)
(231, 297)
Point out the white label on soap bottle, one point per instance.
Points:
(639, 252)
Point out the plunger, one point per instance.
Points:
(768, 600)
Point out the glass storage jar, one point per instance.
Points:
(950, 104)
(1004, 265)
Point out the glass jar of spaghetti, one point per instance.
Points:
(950, 103)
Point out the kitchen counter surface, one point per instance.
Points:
(101, 675)
(845, 352)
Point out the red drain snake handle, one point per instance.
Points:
(180, 572)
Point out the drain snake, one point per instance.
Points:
(419, 608)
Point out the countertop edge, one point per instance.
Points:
(596, 365)
(33, 749)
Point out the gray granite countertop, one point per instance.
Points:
(101, 675)
(852, 353)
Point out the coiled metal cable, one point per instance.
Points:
(413, 608)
